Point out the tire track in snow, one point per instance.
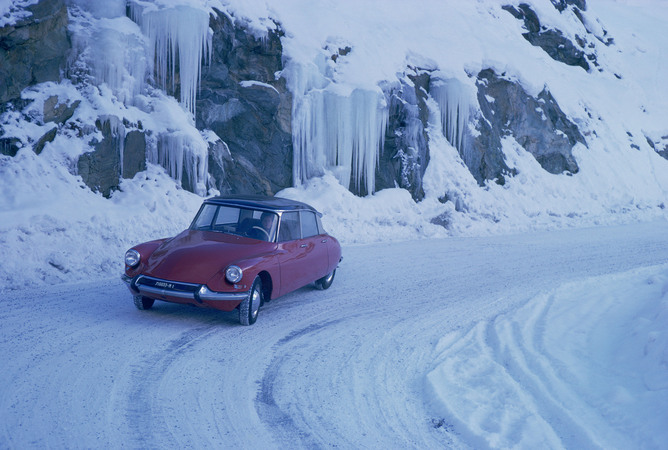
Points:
(286, 431)
(534, 377)
(340, 381)
(145, 415)
(514, 344)
(494, 393)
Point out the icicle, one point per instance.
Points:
(179, 38)
(340, 131)
(118, 135)
(454, 101)
(113, 47)
(118, 57)
(185, 157)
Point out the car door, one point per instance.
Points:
(333, 247)
(315, 245)
(300, 258)
(290, 252)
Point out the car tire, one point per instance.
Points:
(142, 302)
(326, 281)
(249, 309)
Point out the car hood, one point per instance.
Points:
(195, 256)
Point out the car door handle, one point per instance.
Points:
(323, 241)
(303, 246)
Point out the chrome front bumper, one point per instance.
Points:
(150, 286)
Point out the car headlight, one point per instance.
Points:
(132, 258)
(234, 274)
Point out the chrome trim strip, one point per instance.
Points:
(212, 296)
(203, 293)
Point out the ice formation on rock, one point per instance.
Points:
(118, 57)
(179, 38)
(184, 156)
(163, 44)
(454, 101)
(334, 129)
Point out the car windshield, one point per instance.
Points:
(252, 223)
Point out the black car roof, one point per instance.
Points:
(261, 202)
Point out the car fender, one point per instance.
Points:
(251, 268)
(145, 251)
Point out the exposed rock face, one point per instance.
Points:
(660, 146)
(101, 168)
(48, 137)
(537, 124)
(9, 146)
(553, 42)
(505, 109)
(484, 157)
(248, 108)
(563, 4)
(120, 154)
(234, 175)
(34, 49)
(134, 153)
(405, 155)
(246, 104)
(57, 112)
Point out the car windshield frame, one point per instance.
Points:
(237, 220)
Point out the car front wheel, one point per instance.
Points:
(250, 307)
(326, 281)
(142, 302)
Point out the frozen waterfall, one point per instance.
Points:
(112, 46)
(179, 38)
(455, 100)
(335, 130)
(160, 42)
(185, 156)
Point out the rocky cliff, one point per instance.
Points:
(244, 109)
(34, 49)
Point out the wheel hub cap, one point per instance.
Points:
(255, 302)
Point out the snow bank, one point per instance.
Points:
(53, 229)
(386, 216)
(583, 366)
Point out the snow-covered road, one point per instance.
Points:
(377, 361)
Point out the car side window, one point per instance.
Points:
(309, 224)
(289, 229)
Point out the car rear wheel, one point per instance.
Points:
(142, 302)
(250, 307)
(326, 281)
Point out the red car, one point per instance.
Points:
(238, 253)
